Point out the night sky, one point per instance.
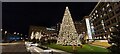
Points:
(19, 16)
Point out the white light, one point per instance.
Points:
(104, 37)
(14, 32)
(101, 16)
(111, 33)
(36, 50)
(105, 31)
(97, 15)
(110, 29)
(32, 35)
(96, 11)
(17, 33)
(103, 9)
(92, 27)
(110, 10)
(5, 32)
(117, 25)
(91, 23)
(102, 22)
(1, 29)
(94, 17)
(108, 5)
(104, 14)
(21, 38)
(94, 14)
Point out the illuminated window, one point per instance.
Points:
(101, 16)
(109, 10)
(97, 15)
(94, 17)
(94, 14)
(91, 23)
(103, 9)
(104, 14)
(96, 11)
(108, 5)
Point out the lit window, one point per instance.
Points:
(103, 9)
(94, 17)
(110, 10)
(104, 14)
(91, 23)
(102, 21)
(100, 15)
(111, 33)
(94, 14)
(96, 11)
(108, 5)
(97, 15)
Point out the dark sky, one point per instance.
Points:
(19, 16)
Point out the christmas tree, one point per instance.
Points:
(68, 34)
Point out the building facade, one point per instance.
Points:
(104, 16)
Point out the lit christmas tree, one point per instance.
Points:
(68, 34)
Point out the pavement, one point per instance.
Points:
(14, 48)
(21, 48)
(37, 50)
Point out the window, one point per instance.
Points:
(104, 14)
(103, 9)
(101, 16)
(96, 11)
(108, 5)
(94, 14)
(97, 15)
(94, 17)
(110, 10)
